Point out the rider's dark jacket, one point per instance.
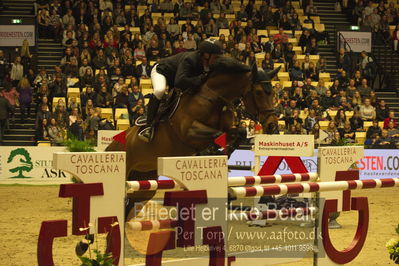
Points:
(183, 70)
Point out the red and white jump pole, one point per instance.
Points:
(282, 189)
(151, 185)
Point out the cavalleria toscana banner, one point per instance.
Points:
(25, 164)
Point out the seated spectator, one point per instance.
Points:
(356, 121)
(294, 118)
(76, 128)
(41, 77)
(104, 98)
(321, 89)
(351, 88)
(296, 72)
(385, 139)
(129, 70)
(299, 98)
(304, 39)
(136, 112)
(42, 131)
(100, 61)
(331, 131)
(74, 115)
(373, 98)
(367, 111)
(358, 78)
(92, 120)
(135, 95)
(310, 120)
(122, 98)
(343, 79)
(321, 65)
(356, 100)
(346, 132)
(373, 130)
(312, 48)
(267, 62)
(73, 103)
(327, 101)
(72, 69)
(311, 97)
(340, 119)
(310, 10)
(311, 72)
(83, 69)
(391, 117)
(61, 116)
(54, 133)
(393, 132)
(144, 69)
(372, 140)
(364, 89)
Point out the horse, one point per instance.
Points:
(198, 118)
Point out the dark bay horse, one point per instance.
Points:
(199, 117)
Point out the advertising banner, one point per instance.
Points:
(13, 35)
(104, 138)
(289, 145)
(374, 164)
(25, 164)
(358, 40)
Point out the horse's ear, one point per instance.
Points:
(273, 73)
(254, 71)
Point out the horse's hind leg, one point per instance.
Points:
(135, 201)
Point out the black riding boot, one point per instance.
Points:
(148, 133)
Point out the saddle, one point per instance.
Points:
(167, 108)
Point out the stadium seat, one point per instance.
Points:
(283, 76)
(325, 76)
(225, 32)
(367, 124)
(262, 33)
(324, 124)
(147, 91)
(332, 113)
(276, 65)
(146, 83)
(106, 113)
(381, 124)
(122, 124)
(297, 50)
(73, 92)
(360, 137)
(287, 84)
(119, 112)
(307, 26)
(349, 114)
(43, 143)
(319, 27)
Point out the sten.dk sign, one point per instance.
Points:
(374, 164)
(30, 163)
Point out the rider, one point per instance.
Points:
(184, 70)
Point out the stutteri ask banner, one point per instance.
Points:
(24, 164)
(13, 35)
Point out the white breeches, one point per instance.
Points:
(158, 83)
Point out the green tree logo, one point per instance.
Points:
(23, 161)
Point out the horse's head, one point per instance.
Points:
(258, 100)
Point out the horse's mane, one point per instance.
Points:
(228, 65)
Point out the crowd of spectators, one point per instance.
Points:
(110, 47)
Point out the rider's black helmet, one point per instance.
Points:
(211, 46)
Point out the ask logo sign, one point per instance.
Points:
(20, 162)
(29, 164)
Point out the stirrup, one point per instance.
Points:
(147, 134)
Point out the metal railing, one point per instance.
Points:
(386, 52)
